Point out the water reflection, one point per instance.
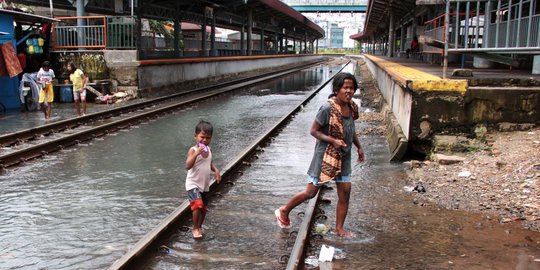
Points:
(83, 207)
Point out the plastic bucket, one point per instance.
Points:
(66, 94)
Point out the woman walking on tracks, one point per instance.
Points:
(334, 130)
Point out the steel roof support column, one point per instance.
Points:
(203, 35)
(305, 43)
(294, 45)
(276, 36)
(286, 50)
(80, 24)
(263, 51)
(249, 31)
(317, 47)
(213, 51)
(242, 47)
(446, 32)
(391, 36)
(177, 30)
(138, 32)
(281, 43)
(373, 45)
(402, 40)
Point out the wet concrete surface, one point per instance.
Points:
(392, 230)
(15, 120)
(83, 207)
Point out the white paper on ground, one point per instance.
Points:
(327, 253)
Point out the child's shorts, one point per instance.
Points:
(79, 95)
(337, 179)
(46, 93)
(198, 199)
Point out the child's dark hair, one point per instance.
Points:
(46, 64)
(72, 66)
(204, 126)
(339, 80)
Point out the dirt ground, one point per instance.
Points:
(498, 174)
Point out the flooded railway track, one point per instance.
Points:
(155, 241)
(21, 146)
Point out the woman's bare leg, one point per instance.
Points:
(343, 192)
(298, 198)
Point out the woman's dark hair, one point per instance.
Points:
(204, 126)
(339, 80)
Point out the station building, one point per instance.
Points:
(147, 47)
(477, 63)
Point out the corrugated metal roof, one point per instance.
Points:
(273, 14)
(27, 17)
(377, 16)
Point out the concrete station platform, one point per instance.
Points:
(421, 103)
(414, 69)
(15, 120)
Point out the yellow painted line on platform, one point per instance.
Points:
(417, 80)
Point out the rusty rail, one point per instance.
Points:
(23, 155)
(135, 257)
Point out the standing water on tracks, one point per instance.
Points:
(82, 208)
(392, 232)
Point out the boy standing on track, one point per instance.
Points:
(45, 77)
(200, 167)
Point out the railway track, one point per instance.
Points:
(156, 240)
(22, 146)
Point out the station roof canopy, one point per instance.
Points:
(270, 15)
(378, 14)
(27, 18)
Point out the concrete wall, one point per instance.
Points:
(398, 98)
(153, 78)
(421, 113)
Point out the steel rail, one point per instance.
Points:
(136, 256)
(47, 129)
(41, 149)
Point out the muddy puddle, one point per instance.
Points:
(394, 231)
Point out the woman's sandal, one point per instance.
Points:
(282, 223)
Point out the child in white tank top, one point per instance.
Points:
(199, 176)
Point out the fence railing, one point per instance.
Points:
(97, 32)
(494, 26)
(121, 33)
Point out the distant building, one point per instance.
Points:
(350, 23)
(336, 36)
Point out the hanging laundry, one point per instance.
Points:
(3, 70)
(10, 59)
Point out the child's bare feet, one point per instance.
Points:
(197, 233)
(344, 233)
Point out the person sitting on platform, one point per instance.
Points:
(200, 167)
(45, 77)
(415, 48)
